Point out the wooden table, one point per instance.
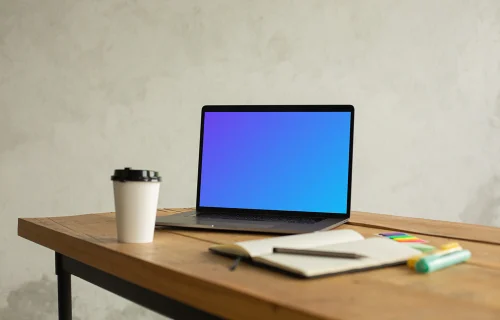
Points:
(177, 276)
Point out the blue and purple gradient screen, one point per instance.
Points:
(290, 161)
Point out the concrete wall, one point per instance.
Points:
(88, 86)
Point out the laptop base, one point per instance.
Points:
(248, 223)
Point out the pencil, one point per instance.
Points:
(317, 253)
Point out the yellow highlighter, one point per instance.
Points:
(444, 249)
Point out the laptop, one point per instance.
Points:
(273, 169)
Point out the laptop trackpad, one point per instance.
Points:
(242, 225)
(234, 224)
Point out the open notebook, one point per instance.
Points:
(379, 252)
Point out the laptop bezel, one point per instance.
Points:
(276, 108)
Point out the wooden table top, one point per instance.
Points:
(178, 265)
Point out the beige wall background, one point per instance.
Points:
(89, 86)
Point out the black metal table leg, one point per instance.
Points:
(65, 267)
(63, 290)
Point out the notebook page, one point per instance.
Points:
(308, 240)
(379, 251)
(312, 266)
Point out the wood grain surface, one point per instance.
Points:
(178, 265)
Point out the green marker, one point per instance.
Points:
(433, 263)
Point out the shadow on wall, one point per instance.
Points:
(38, 300)
(33, 300)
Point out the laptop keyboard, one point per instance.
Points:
(248, 217)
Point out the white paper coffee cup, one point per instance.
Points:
(136, 202)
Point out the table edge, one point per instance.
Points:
(61, 241)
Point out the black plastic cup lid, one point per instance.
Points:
(129, 174)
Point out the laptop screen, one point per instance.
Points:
(287, 161)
